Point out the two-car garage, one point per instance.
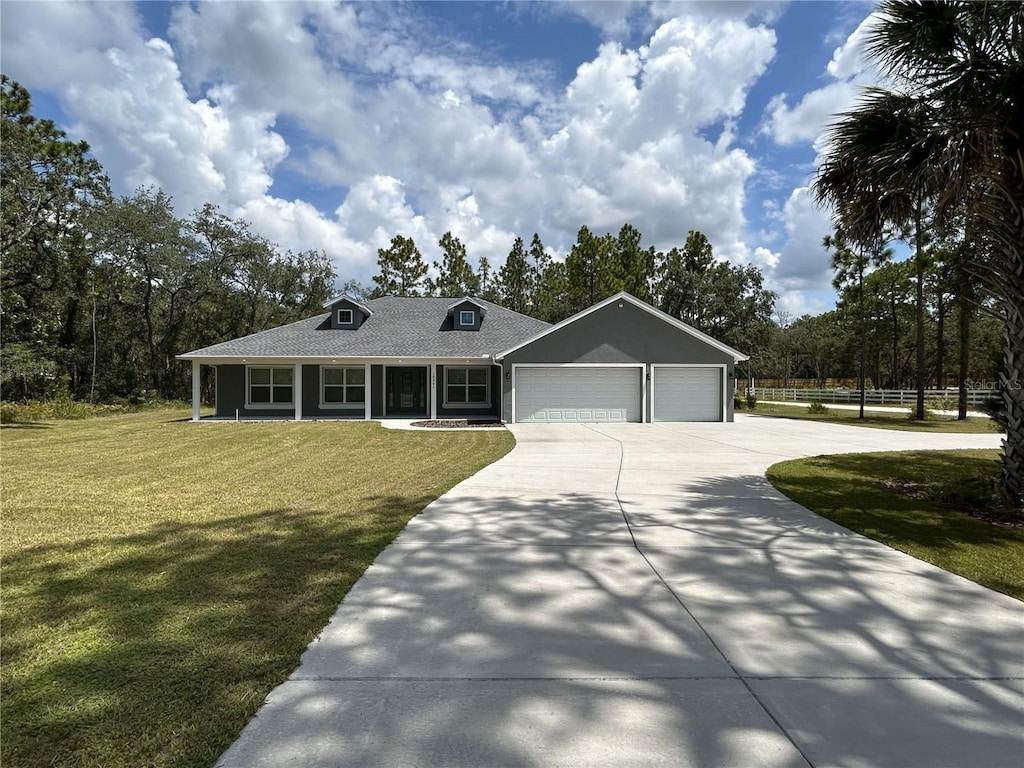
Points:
(615, 393)
(578, 393)
(620, 360)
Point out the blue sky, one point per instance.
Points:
(337, 126)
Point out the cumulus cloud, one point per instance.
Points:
(397, 133)
(803, 262)
(848, 72)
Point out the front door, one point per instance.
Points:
(407, 392)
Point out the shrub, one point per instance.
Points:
(818, 408)
(751, 401)
(976, 493)
(8, 413)
(995, 407)
(64, 407)
(929, 414)
(737, 403)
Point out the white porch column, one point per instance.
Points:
(433, 392)
(195, 390)
(368, 413)
(297, 391)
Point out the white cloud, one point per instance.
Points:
(848, 72)
(802, 266)
(803, 262)
(412, 137)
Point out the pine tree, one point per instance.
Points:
(402, 269)
(455, 277)
(517, 279)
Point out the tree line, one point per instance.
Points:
(726, 301)
(963, 340)
(100, 292)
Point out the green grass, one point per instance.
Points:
(880, 419)
(160, 577)
(891, 497)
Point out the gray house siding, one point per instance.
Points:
(615, 334)
(231, 396)
(376, 391)
(620, 332)
(472, 413)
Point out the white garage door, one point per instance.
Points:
(687, 394)
(577, 394)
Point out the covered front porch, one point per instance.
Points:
(253, 389)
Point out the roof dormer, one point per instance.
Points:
(347, 314)
(467, 314)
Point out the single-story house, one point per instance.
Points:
(437, 358)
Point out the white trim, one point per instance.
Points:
(471, 300)
(725, 377)
(501, 392)
(196, 389)
(623, 296)
(297, 390)
(641, 368)
(368, 405)
(433, 391)
(351, 316)
(324, 405)
(285, 360)
(350, 300)
(490, 400)
(462, 318)
(269, 406)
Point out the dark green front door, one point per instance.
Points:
(407, 392)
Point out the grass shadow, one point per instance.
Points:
(886, 496)
(184, 624)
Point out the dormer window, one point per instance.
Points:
(347, 314)
(467, 314)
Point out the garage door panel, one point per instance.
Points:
(585, 394)
(687, 394)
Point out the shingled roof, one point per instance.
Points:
(400, 326)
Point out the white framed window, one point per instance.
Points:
(469, 387)
(467, 317)
(344, 317)
(270, 386)
(342, 386)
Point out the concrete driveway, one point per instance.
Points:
(639, 595)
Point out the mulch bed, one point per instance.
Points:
(456, 424)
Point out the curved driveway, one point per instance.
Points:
(639, 595)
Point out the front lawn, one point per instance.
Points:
(879, 419)
(915, 502)
(160, 577)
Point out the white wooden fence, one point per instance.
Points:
(941, 399)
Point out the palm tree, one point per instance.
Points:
(950, 129)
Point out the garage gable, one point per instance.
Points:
(622, 329)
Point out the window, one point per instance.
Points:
(467, 386)
(344, 317)
(467, 317)
(270, 386)
(342, 386)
